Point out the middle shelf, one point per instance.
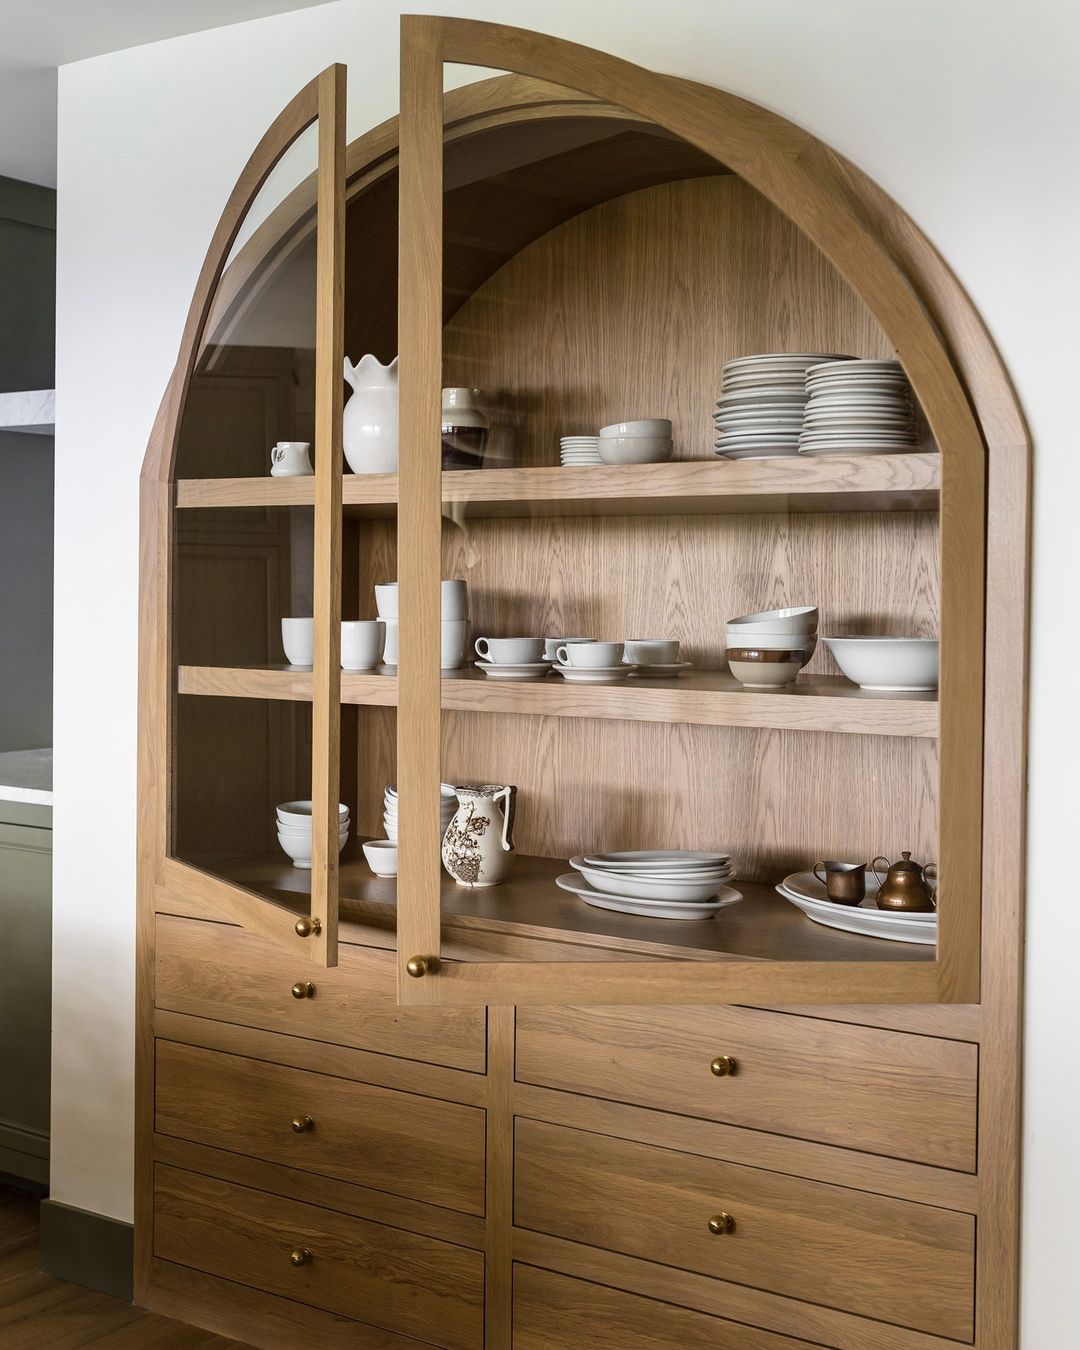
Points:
(702, 698)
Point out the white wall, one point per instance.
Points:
(968, 113)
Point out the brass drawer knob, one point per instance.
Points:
(720, 1224)
(300, 1256)
(301, 1124)
(305, 927)
(303, 989)
(417, 966)
(723, 1066)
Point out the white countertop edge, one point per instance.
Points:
(29, 410)
(34, 796)
(26, 776)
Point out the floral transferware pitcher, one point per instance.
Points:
(370, 427)
(479, 843)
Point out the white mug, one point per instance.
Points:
(651, 651)
(290, 459)
(590, 654)
(298, 639)
(362, 643)
(390, 646)
(552, 645)
(519, 651)
(454, 633)
(454, 599)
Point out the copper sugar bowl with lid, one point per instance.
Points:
(907, 885)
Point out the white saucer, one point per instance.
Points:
(657, 669)
(648, 909)
(594, 674)
(531, 671)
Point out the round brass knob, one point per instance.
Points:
(302, 1123)
(305, 927)
(417, 966)
(722, 1066)
(299, 1256)
(721, 1223)
(303, 989)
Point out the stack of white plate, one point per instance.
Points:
(759, 413)
(448, 805)
(653, 883)
(808, 894)
(579, 450)
(858, 408)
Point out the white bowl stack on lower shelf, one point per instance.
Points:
(858, 408)
(448, 805)
(294, 831)
(759, 414)
(653, 883)
(807, 893)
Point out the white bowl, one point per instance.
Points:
(298, 640)
(454, 599)
(761, 672)
(641, 888)
(299, 813)
(772, 642)
(802, 619)
(304, 831)
(300, 850)
(635, 449)
(891, 663)
(381, 855)
(652, 427)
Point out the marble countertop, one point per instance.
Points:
(32, 410)
(26, 776)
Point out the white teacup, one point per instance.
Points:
(390, 645)
(454, 634)
(651, 651)
(519, 651)
(362, 643)
(552, 645)
(590, 654)
(298, 639)
(454, 601)
(290, 459)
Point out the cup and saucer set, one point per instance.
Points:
(579, 660)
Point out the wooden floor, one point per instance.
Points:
(38, 1312)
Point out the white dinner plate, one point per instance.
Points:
(757, 454)
(839, 451)
(673, 872)
(755, 398)
(650, 859)
(647, 909)
(531, 671)
(658, 888)
(658, 669)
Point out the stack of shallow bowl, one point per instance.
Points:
(653, 883)
(577, 450)
(858, 408)
(294, 831)
(759, 414)
(447, 807)
(647, 441)
(769, 648)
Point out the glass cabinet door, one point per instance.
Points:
(605, 792)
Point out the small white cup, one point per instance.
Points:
(590, 654)
(454, 634)
(386, 599)
(362, 643)
(298, 639)
(519, 651)
(651, 651)
(390, 645)
(552, 645)
(454, 601)
(290, 459)
(381, 855)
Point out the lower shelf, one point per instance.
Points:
(510, 920)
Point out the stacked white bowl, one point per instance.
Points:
(770, 647)
(759, 414)
(576, 450)
(448, 804)
(647, 441)
(294, 830)
(455, 621)
(858, 408)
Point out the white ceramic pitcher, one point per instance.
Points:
(370, 431)
(478, 846)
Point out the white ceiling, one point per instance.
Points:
(36, 36)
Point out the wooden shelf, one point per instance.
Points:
(702, 698)
(530, 907)
(868, 483)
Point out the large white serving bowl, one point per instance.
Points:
(635, 449)
(299, 813)
(887, 663)
(800, 619)
(644, 426)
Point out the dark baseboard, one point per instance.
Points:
(85, 1248)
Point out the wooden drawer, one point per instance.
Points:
(886, 1092)
(392, 1141)
(553, 1312)
(403, 1282)
(882, 1258)
(215, 970)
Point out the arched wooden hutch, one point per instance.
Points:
(373, 1113)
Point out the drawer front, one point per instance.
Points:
(393, 1141)
(402, 1282)
(887, 1092)
(878, 1257)
(215, 970)
(552, 1312)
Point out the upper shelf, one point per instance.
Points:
(29, 410)
(866, 483)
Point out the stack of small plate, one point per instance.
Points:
(858, 408)
(808, 894)
(759, 413)
(579, 450)
(653, 883)
(448, 805)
